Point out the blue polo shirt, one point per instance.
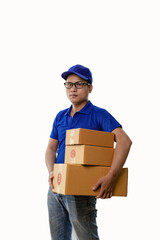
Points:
(89, 117)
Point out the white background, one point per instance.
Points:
(119, 42)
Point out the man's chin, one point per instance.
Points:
(76, 102)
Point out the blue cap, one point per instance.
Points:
(79, 70)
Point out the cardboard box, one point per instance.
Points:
(72, 179)
(89, 137)
(88, 155)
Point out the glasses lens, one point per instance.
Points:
(68, 84)
(79, 85)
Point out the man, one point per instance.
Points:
(68, 212)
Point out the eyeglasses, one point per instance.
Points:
(78, 85)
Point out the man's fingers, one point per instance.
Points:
(50, 180)
(52, 187)
(101, 193)
(96, 186)
(104, 195)
(105, 192)
(109, 195)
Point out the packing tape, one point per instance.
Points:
(73, 160)
(71, 141)
(59, 168)
(72, 133)
(58, 189)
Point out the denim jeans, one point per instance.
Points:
(68, 212)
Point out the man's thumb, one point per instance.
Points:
(96, 186)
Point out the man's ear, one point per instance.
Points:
(90, 88)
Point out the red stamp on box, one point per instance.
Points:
(59, 178)
(73, 154)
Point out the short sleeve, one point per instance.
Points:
(54, 132)
(109, 123)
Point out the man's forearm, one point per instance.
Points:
(120, 155)
(50, 159)
(106, 183)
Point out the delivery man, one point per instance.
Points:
(67, 212)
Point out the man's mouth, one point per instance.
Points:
(73, 95)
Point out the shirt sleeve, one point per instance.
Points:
(54, 132)
(109, 123)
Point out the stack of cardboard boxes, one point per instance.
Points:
(88, 157)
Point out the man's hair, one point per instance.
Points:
(88, 81)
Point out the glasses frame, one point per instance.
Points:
(76, 84)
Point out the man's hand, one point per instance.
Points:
(106, 185)
(50, 180)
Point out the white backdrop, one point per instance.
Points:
(119, 42)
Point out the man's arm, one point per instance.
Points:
(123, 144)
(50, 158)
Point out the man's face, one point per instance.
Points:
(77, 96)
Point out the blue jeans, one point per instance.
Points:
(67, 212)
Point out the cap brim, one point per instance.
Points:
(66, 74)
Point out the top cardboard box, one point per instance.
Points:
(89, 137)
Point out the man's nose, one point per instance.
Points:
(73, 88)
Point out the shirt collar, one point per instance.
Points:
(69, 110)
(85, 110)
